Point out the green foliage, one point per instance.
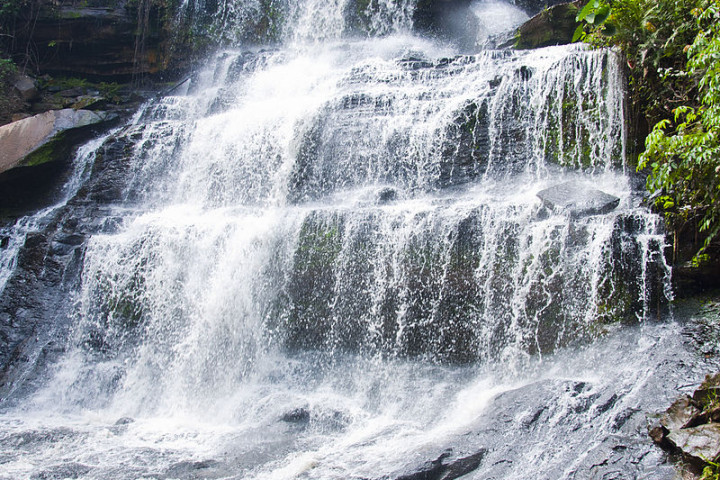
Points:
(683, 154)
(7, 69)
(8, 100)
(111, 91)
(66, 83)
(10, 8)
(593, 15)
(653, 35)
(711, 471)
(672, 48)
(712, 401)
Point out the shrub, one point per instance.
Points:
(672, 48)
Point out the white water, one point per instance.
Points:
(14, 234)
(332, 263)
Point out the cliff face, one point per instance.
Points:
(98, 39)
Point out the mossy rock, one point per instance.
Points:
(552, 26)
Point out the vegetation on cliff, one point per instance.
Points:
(673, 54)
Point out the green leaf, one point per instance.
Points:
(601, 15)
(587, 9)
(609, 29)
(579, 33)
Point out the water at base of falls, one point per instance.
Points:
(314, 416)
(328, 260)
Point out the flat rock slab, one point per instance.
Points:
(701, 442)
(577, 199)
(20, 138)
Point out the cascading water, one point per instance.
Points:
(328, 260)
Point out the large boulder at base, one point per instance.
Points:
(19, 139)
(552, 26)
(691, 425)
(577, 199)
(701, 443)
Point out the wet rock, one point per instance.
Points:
(701, 443)
(552, 26)
(190, 469)
(298, 415)
(465, 152)
(443, 468)
(63, 471)
(386, 195)
(680, 413)
(578, 200)
(690, 426)
(125, 421)
(72, 92)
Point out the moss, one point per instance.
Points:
(54, 150)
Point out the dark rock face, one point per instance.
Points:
(578, 200)
(96, 40)
(448, 19)
(64, 470)
(335, 276)
(34, 307)
(554, 26)
(452, 20)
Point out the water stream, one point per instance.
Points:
(328, 260)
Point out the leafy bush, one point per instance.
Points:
(672, 49)
(711, 471)
(683, 153)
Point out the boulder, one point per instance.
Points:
(21, 138)
(552, 26)
(700, 444)
(577, 199)
(26, 88)
(690, 426)
(680, 413)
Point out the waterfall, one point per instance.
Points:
(328, 259)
